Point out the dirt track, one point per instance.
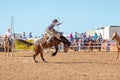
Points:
(64, 66)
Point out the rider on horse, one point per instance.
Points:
(8, 33)
(51, 31)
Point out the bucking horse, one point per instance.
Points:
(41, 44)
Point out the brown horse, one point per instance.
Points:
(41, 44)
(117, 38)
(8, 46)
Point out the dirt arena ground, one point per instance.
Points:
(64, 66)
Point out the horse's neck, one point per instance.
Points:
(118, 38)
(63, 39)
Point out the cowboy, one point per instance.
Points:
(51, 31)
(8, 33)
(30, 35)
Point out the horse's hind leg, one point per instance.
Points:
(34, 56)
(41, 54)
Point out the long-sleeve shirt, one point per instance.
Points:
(9, 34)
(95, 36)
(51, 26)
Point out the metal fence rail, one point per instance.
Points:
(104, 46)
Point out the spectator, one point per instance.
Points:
(30, 35)
(76, 36)
(24, 35)
(89, 38)
(71, 37)
(84, 38)
(100, 37)
(84, 35)
(95, 37)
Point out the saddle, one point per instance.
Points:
(46, 36)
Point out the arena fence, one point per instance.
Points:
(111, 46)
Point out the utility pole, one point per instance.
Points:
(12, 25)
(12, 30)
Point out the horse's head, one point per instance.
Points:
(66, 46)
(114, 35)
(66, 43)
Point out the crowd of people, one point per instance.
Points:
(80, 40)
(83, 37)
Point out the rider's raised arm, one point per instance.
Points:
(59, 23)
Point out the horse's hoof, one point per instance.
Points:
(36, 61)
(53, 54)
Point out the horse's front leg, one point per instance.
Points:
(118, 53)
(12, 48)
(5, 51)
(56, 50)
(8, 52)
(34, 56)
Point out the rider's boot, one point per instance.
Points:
(49, 39)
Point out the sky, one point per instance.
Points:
(78, 15)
